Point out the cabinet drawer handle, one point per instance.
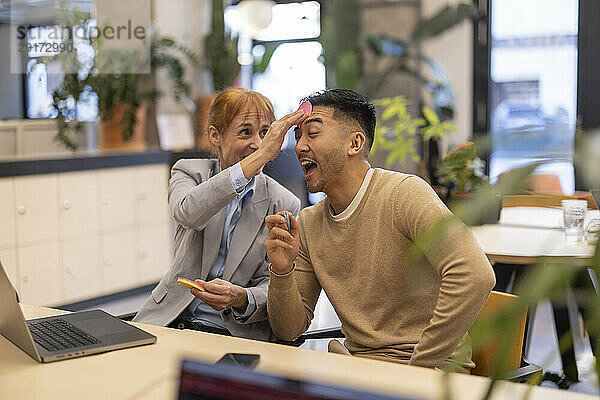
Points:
(21, 210)
(107, 260)
(141, 195)
(105, 199)
(67, 204)
(25, 278)
(144, 255)
(69, 269)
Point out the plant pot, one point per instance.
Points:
(475, 208)
(111, 130)
(203, 107)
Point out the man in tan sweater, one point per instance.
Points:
(401, 295)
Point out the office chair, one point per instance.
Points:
(545, 183)
(484, 356)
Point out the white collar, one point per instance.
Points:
(344, 215)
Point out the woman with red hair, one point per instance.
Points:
(220, 206)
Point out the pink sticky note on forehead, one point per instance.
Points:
(307, 107)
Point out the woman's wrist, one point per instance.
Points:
(253, 164)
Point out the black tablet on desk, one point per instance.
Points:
(199, 380)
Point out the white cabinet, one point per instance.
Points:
(73, 236)
(36, 208)
(9, 262)
(78, 203)
(116, 198)
(82, 268)
(154, 252)
(7, 213)
(151, 193)
(41, 276)
(119, 267)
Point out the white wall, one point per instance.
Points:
(453, 50)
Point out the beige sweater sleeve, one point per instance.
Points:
(466, 274)
(292, 297)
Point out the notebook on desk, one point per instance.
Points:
(65, 336)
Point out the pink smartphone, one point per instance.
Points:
(190, 284)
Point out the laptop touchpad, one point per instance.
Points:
(102, 326)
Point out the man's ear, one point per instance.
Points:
(213, 136)
(357, 142)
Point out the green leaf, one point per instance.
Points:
(261, 67)
(448, 126)
(430, 116)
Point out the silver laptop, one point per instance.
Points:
(65, 336)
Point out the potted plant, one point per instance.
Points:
(122, 97)
(462, 172)
(341, 39)
(221, 50)
(222, 64)
(398, 133)
(345, 50)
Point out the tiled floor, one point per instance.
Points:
(543, 347)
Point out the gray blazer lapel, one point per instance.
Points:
(247, 227)
(212, 241)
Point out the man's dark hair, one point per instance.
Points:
(349, 106)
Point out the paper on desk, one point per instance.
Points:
(175, 131)
(539, 217)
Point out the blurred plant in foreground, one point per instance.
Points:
(545, 280)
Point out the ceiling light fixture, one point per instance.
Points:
(256, 15)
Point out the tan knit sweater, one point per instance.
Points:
(396, 301)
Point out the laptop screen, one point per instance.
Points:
(199, 380)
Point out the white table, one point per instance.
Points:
(526, 235)
(530, 235)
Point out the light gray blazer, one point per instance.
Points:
(198, 197)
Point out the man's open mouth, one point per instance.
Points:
(309, 167)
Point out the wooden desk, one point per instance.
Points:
(151, 372)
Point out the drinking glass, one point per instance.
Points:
(573, 216)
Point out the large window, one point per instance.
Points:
(295, 70)
(533, 86)
(44, 72)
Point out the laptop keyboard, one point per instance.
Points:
(58, 334)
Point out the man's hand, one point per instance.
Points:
(281, 245)
(221, 294)
(271, 144)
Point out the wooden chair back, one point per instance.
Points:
(485, 355)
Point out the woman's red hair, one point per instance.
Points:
(230, 102)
